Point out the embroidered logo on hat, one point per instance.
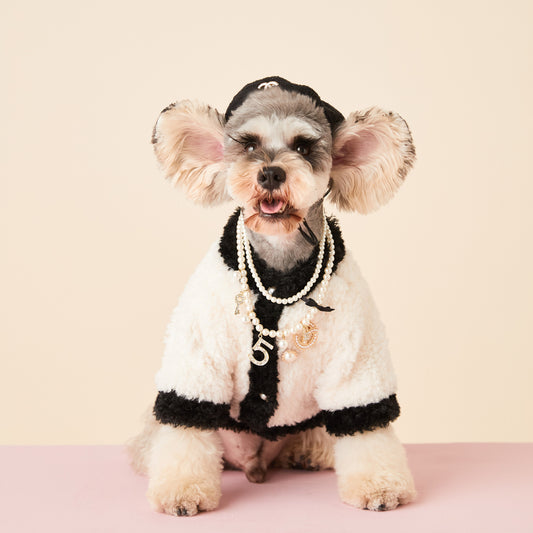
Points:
(267, 85)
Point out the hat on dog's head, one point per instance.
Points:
(333, 116)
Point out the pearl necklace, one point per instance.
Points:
(308, 286)
(305, 331)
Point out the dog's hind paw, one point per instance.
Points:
(180, 499)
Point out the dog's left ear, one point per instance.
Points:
(188, 142)
(372, 152)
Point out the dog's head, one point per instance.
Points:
(278, 150)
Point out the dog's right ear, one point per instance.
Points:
(188, 142)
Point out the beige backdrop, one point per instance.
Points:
(98, 246)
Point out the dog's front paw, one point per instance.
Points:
(378, 492)
(180, 498)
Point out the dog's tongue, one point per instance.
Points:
(271, 208)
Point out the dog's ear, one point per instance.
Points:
(372, 153)
(188, 142)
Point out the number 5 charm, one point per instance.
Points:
(258, 348)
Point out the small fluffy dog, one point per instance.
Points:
(275, 354)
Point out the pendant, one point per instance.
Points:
(307, 336)
(257, 347)
(239, 300)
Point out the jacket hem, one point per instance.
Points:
(176, 410)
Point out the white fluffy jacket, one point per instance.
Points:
(344, 381)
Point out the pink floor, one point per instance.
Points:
(462, 488)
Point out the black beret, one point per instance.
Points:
(333, 116)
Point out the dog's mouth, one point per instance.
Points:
(272, 208)
(272, 216)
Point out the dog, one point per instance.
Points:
(275, 354)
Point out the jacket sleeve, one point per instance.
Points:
(357, 388)
(195, 378)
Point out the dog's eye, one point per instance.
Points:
(302, 148)
(248, 141)
(302, 145)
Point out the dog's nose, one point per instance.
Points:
(271, 178)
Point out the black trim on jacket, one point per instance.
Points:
(352, 420)
(179, 411)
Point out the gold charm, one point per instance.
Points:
(239, 300)
(258, 348)
(307, 336)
